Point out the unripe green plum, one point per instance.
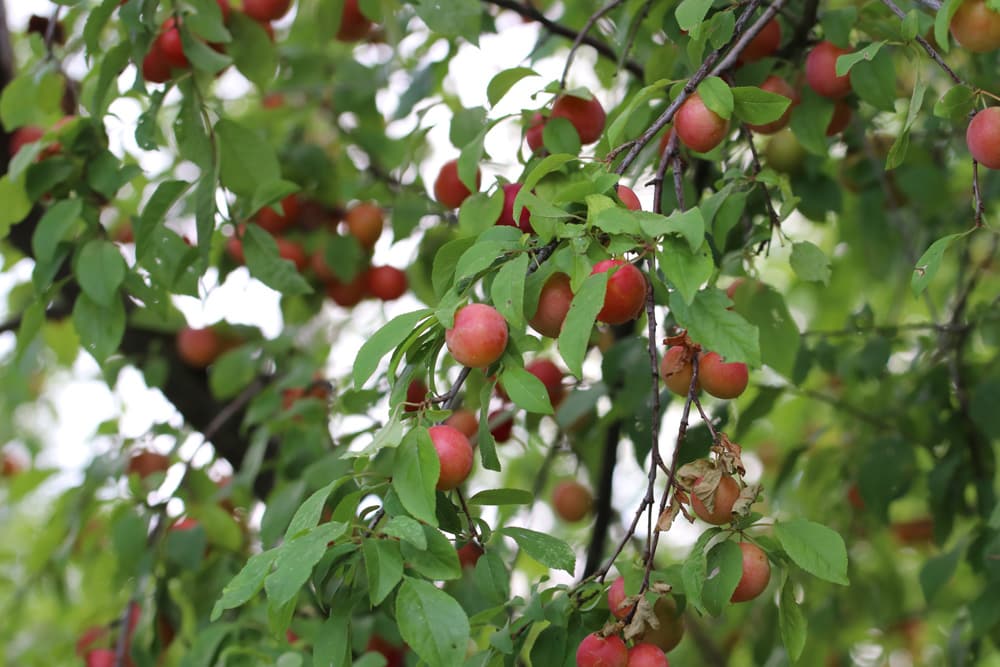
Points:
(671, 629)
(784, 153)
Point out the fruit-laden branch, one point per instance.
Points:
(186, 388)
(711, 66)
(601, 47)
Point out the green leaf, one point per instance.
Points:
(542, 169)
(100, 328)
(479, 212)
(694, 571)
(492, 578)
(486, 445)
(689, 224)
(725, 567)
(559, 136)
(438, 560)
(100, 270)
(54, 228)
(956, 103)
(709, 322)
(937, 571)
(792, 622)
(445, 261)
(616, 131)
(384, 567)
(246, 584)
(384, 341)
(575, 334)
(547, 550)
(97, 18)
(526, 390)
(815, 548)
(502, 497)
(508, 291)
(252, 50)
(432, 623)
(764, 307)
(874, 81)
(416, 474)
(407, 530)
(267, 266)
(164, 197)
(501, 83)
(295, 562)
(247, 161)
(332, 644)
(452, 18)
(466, 124)
(929, 263)
(753, 105)
(810, 119)
(847, 61)
(16, 204)
(309, 513)
(690, 13)
(717, 96)
(942, 20)
(201, 55)
(810, 263)
(613, 219)
(114, 61)
(686, 270)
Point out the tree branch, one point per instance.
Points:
(601, 47)
(582, 35)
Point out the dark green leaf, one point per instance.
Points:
(501, 83)
(416, 474)
(100, 270)
(246, 584)
(575, 335)
(810, 263)
(815, 548)
(792, 622)
(295, 561)
(526, 390)
(247, 160)
(547, 550)
(709, 322)
(502, 497)
(382, 342)
(724, 567)
(267, 266)
(432, 623)
(384, 566)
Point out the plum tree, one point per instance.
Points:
(598, 651)
(756, 573)
(698, 127)
(479, 336)
(625, 295)
(571, 500)
(724, 497)
(275, 222)
(629, 198)
(416, 394)
(983, 137)
(502, 425)
(469, 554)
(821, 71)
(454, 454)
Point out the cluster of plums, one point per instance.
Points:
(363, 221)
(166, 53)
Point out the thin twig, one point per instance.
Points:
(602, 48)
(468, 515)
(584, 31)
(977, 196)
(931, 51)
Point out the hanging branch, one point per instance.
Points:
(931, 51)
